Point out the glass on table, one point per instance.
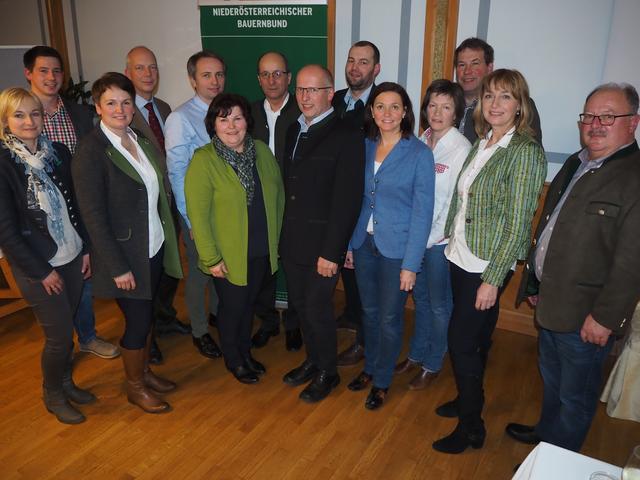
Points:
(631, 470)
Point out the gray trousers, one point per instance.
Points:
(196, 285)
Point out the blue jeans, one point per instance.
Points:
(572, 376)
(84, 320)
(383, 302)
(434, 302)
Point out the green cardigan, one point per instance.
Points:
(217, 209)
(502, 201)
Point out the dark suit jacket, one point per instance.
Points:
(470, 129)
(592, 265)
(82, 117)
(323, 188)
(355, 118)
(289, 115)
(140, 125)
(113, 202)
(24, 234)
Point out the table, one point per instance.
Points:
(548, 462)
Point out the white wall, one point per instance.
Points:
(623, 52)
(171, 28)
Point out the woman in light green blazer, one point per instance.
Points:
(489, 227)
(235, 202)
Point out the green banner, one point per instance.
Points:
(241, 30)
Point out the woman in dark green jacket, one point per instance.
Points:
(235, 201)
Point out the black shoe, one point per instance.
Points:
(293, 340)
(213, 320)
(255, 366)
(301, 374)
(448, 410)
(244, 375)
(207, 346)
(351, 356)
(261, 337)
(76, 394)
(361, 382)
(376, 397)
(523, 433)
(320, 387)
(459, 440)
(173, 325)
(155, 355)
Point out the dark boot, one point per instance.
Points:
(71, 390)
(137, 392)
(57, 403)
(151, 380)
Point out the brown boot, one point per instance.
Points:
(137, 392)
(151, 380)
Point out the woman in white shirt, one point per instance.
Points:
(441, 111)
(121, 192)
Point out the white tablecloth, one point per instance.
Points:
(548, 462)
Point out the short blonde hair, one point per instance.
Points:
(10, 100)
(513, 82)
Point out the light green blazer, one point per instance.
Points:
(502, 201)
(217, 209)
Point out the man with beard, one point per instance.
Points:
(361, 70)
(583, 270)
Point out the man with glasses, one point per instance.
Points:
(272, 116)
(184, 132)
(323, 177)
(360, 71)
(583, 270)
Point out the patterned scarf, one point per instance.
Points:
(241, 162)
(42, 193)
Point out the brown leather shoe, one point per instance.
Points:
(151, 380)
(137, 391)
(406, 365)
(422, 379)
(351, 355)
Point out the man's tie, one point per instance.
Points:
(154, 123)
(359, 105)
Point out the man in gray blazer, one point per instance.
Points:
(150, 115)
(583, 270)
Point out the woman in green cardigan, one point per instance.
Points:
(489, 225)
(235, 201)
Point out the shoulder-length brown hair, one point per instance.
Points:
(513, 82)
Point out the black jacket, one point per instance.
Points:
(324, 184)
(355, 117)
(82, 117)
(592, 265)
(288, 116)
(24, 234)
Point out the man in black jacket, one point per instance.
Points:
(272, 116)
(583, 270)
(361, 69)
(323, 172)
(66, 122)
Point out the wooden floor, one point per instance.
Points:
(220, 429)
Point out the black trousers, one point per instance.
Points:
(312, 296)
(235, 312)
(138, 312)
(266, 310)
(163, 309)
(353, 306)
(469, 337)
(54, 314)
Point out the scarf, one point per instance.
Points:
(42, 193)
(241, 162)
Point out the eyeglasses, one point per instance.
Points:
(605, 120)
(310, 90)
(276, 74)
